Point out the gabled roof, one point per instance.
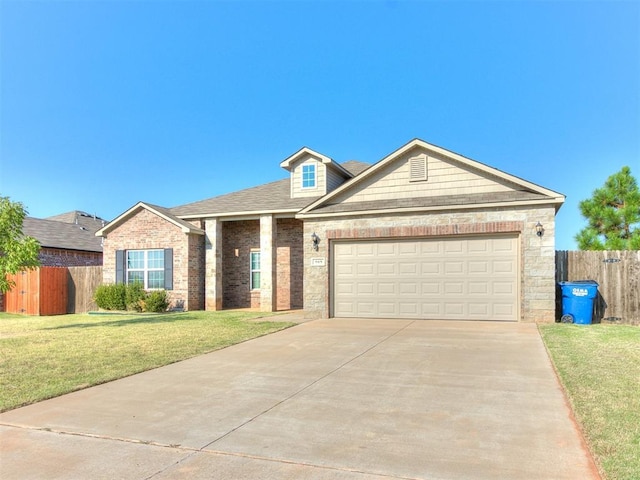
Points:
(528, 193)
(63, 235)
(186, 227)
(305, 151)
(274, 197)
(77, 217)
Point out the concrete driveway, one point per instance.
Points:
(328, 399)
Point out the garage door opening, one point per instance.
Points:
(468, 278)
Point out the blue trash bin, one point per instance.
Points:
(577, 301)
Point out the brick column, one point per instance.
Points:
(213, 265)
(267, 263)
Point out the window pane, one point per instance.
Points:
(155, 259)
(255, 280)
(135, 259)
(255, 260)
(155, 279)
(135, 276)
(308, 176)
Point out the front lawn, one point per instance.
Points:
(43, 357)
(599, 366)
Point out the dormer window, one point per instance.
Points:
(308, 176)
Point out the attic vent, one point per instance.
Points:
(418, 169)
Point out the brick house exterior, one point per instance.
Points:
(422, 233)
(66, 240)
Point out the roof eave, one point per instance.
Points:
(556, 202)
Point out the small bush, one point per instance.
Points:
(135, 296)
(131, 297)
(156, 301)
(111, 297)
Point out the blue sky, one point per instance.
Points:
(104, 104)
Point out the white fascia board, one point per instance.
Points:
(252, 215)
(289, 161)
(394, 211)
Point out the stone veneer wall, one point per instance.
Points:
(289, 264)
(537, 254)
(146, 230)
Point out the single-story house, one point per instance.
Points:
(424, 233)
(68, 239)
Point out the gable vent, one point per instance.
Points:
(418, 169)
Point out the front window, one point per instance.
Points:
(308, 176)
(146, 267)
(255, 270)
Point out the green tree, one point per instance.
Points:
(17, 251)
(613, 215)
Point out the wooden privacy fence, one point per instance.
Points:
(54, 290)
(42, 291)
(618, 276)
(81, 284)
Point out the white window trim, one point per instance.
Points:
(145, 269)
(252, 270)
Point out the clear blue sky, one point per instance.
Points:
(104, 104)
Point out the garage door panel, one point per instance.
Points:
(430, 268)
(457, 278)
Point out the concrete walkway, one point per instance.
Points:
(327, 399)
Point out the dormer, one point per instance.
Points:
(313, 174)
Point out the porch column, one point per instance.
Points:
(213, 264)
(267, 263)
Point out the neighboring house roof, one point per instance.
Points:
(524, 192)
(274, 197)
(165, 213)
(63, 235)
(91, 222)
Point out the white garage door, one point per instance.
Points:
(472, 278)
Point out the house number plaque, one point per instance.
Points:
(318, 262)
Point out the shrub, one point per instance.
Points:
(111, 297)
(135, 296)
(156, 301)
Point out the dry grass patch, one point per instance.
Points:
(43, 357)
(599, 366)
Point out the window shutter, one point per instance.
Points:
(168, 268)
(120, 266)
(418, 168)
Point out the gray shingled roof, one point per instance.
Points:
(68, 236)
(92, 222)
(270, 197)
(426, 202)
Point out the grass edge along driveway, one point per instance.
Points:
(599, 367)
(44, 357)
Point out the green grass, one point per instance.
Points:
(43, 357)
(599, 366)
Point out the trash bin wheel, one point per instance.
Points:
(567, 318)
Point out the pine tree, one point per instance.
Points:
(613, 215)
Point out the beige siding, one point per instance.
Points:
(334, 179)
(444, 177)
(296, 179)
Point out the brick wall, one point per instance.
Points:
(238, 239)
(57, 257)
(145, 230)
